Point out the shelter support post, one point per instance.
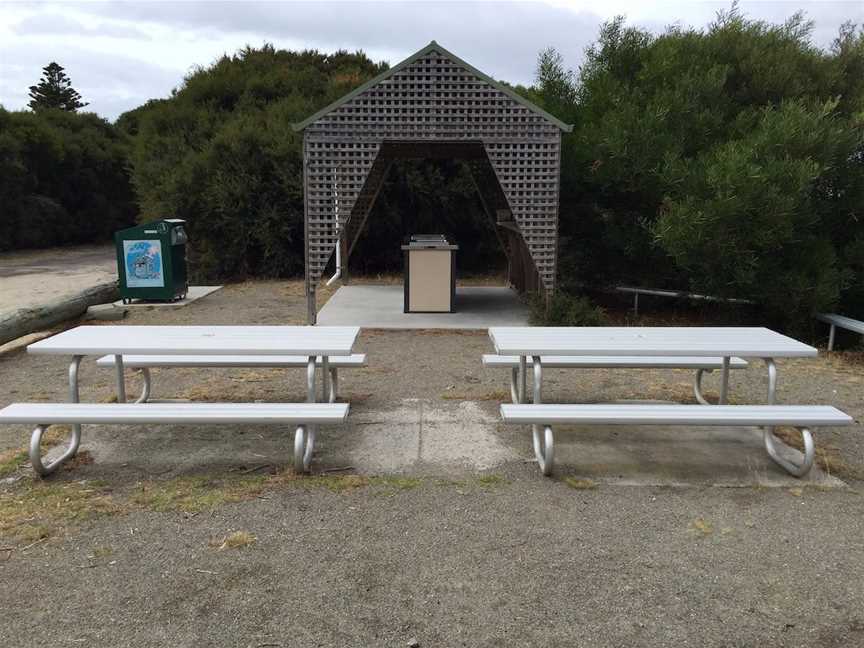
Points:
(343, 243)
(311, 310)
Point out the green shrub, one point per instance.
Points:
(63, 179)
(566, 310)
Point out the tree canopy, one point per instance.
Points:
(55, 90)
(63, 179)
(728, 160)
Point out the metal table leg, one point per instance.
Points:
(768, 433)
(697, 386)
(543, 447)
(121, 379)
(41, 468)
(325, 379)
(304, 437)
(523, 378)
(724, 381)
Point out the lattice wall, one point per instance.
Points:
(432, 98)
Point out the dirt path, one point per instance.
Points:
(39, 276)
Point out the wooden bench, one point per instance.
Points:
(146, 362)
(305, 415)
(843, 322)
(802, 417)
(700, 364)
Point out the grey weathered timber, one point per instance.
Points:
(843, 322)
(433, 104)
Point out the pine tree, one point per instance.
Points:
(55, 91)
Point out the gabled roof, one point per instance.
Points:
(435, 47)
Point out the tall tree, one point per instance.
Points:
(55, 91)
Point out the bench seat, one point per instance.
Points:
(161, 361)
(147, 362)
(662, 414)
(175, 413)
(613, 362)
(700, 364)
(801, 417)
(305, 415)
(843, 322)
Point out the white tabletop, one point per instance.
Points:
(709, 341)
(201, 340)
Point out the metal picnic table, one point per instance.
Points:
(309, 341)
(708, 341)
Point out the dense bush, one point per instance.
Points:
(222, 154)
(727, 161)
(63, 179)
(566, 310)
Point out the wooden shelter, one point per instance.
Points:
(432, 105)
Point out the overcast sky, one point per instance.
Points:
(119, 55)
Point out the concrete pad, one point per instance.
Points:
(464, 446)
(195, 293)
(477, 307)
(674, 456)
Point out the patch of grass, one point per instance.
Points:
(492, 480)
(701, 527)
(42, 509)
(193, 494)
(397, 483)
(333, 483)
(12, 460)
(580, 484)
(235, 540)
(497, 395)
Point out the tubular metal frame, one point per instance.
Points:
(304, 437)
(41, 468)
(544, 447)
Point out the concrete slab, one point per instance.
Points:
(478, 307)
(195, 293)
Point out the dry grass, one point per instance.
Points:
(12, 460)
(234, 540)
(498, 395)
(492, 480)
(193, 494)
(45, 509)
(701, 527)
(580, 484)
(828, 457)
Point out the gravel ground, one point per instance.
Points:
(482, 559)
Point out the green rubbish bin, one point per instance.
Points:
(151, 261)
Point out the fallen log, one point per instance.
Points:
(37, 318)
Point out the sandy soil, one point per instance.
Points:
(36, 277)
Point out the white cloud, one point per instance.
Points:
(118, 55)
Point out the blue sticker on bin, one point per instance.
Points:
(143, 264)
